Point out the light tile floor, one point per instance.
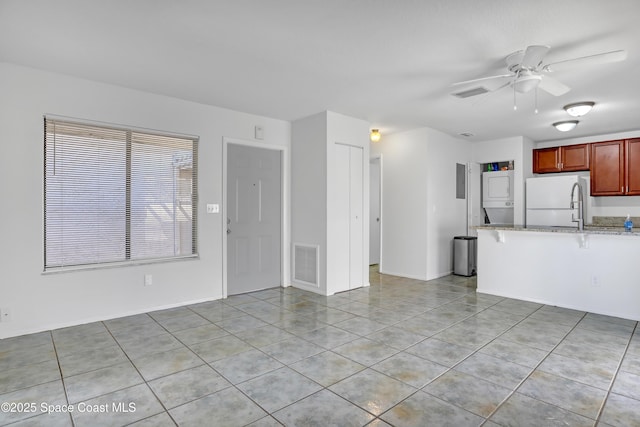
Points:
(401, 352)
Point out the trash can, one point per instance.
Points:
(464, 255)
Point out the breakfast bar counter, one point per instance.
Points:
(595, 270)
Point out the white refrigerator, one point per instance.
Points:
(548, 200)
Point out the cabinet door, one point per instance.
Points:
(546, 160)
(632, 153)
(574, 157)
(607, 168)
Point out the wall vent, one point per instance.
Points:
(305, 264)
(471, 92)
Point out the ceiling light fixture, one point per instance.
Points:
(566, 126)
(579, 108)
(375, 135)
(526, 82)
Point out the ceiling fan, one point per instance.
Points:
(527, 71)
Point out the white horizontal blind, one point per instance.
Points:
(117, 195)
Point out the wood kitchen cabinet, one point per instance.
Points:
(632, 171)
(568, 158)
(615, 168)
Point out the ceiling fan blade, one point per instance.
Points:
(533, 56)
(600, 58)
(481, 79)
(553, 86)
(501, 86)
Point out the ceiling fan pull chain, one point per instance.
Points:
(515, 107)
(535, 111)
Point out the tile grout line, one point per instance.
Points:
(313, 314)
(62, 378)
(140, 373)
(419, 389)
(534, 368)
(615, 375)
(366, 367)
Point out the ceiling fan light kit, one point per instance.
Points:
(566, 125)
(526, 82)
(579, 108)
(528, 71)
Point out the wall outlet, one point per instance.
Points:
(5, 314)
(148, 280)
(595, 281)
(213, 208)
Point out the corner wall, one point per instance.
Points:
(420, 213)
(447, 216)
(309, 189)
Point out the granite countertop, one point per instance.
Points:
(588, 229)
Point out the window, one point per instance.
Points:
(117, 195)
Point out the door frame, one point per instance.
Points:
(284, 200)
(381, 203)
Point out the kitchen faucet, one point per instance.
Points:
(580, 219)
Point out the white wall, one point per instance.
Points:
(447, 216)
(404, 205)
(610, 205)
(420, 213)
(309, 189)
(43, 301)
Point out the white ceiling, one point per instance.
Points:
(391, 62)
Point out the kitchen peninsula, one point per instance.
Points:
(595, 270)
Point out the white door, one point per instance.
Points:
(253, 219)
(374, 211)
(356, 226)
(349, 224)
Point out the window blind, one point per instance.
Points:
(114, 194)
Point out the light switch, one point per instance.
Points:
(213, 208)
(259, 131)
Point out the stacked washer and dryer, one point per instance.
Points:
(497, 196)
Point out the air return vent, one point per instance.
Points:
(471, 92)
(305, 264)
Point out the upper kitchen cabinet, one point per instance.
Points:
(632, 171)
(569, 158)
(615, 168)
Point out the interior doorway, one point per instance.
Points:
(375, 210)
(253, 218)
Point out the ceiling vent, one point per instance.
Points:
(471, 92)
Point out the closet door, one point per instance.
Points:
(356, 231)
(348, 224)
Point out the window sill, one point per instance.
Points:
(119, 264)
